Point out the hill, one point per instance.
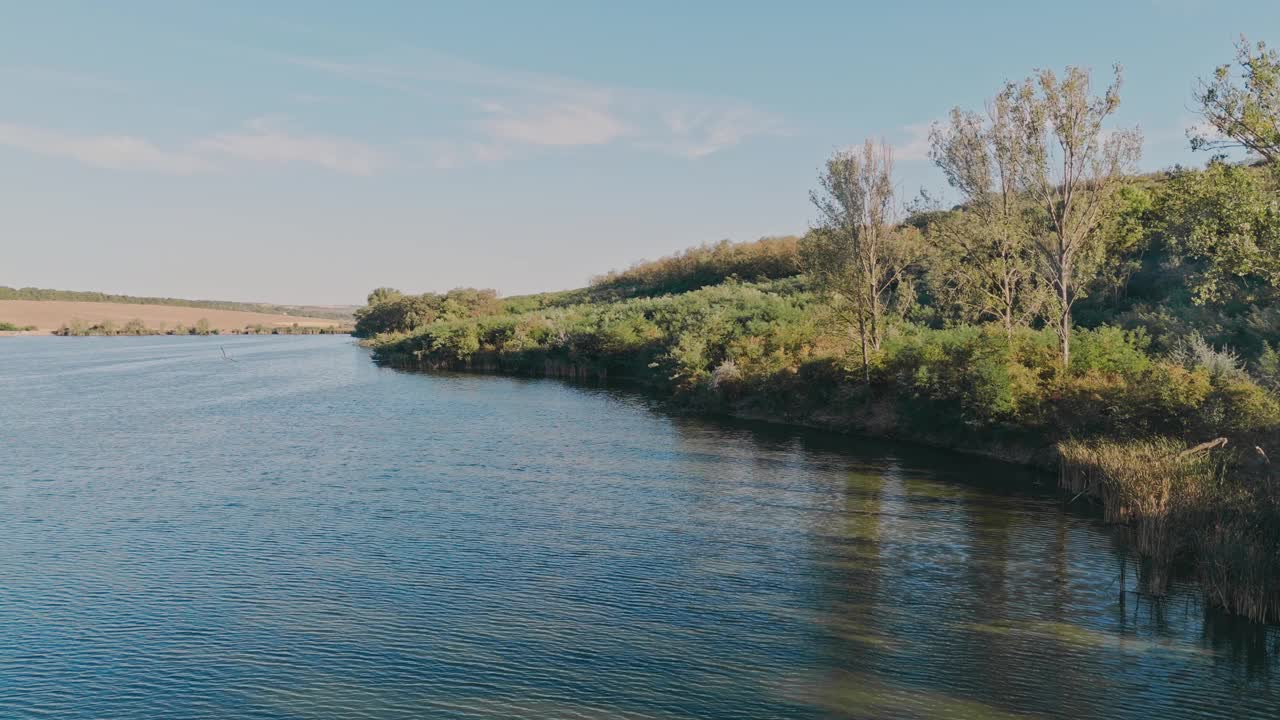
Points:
(47, 316)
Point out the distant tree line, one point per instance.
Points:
(136, 327)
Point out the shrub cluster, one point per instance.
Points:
(769, 258)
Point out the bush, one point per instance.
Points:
(764, 259)
(946, 380)
(1110, 350)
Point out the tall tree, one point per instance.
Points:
(855, 252)
(985, 260)
(1245, 114)
(1072, 171)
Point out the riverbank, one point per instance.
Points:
(876, 422)
(1210, 512)
(774, 350)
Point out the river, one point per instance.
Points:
(297, 533)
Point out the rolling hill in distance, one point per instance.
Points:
(44, 310)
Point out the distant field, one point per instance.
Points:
(49, 315)
(335, 312)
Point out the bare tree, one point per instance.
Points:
(855, 252)
(985, 260)
(1072, 169)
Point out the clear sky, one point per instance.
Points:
(310, 151)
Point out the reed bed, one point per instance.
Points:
(1201, 504)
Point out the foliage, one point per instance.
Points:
(1243, 112)
(390, 311)
(769, 258)
(1225, 225)
(856, 254)
(984, 263)
(1071, 170)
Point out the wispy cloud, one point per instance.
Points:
(509, 110)
(116, 152)
(488, 115)
(698, 132)
(260, 141)
(264, 141)
(555, 125)
(450, 154)
(915, 147)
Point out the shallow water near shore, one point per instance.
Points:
(297, 533)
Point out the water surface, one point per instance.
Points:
(300, 534)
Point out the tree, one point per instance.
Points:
(855, 253)
(1227, 226)
(396, 313)
(1247, 114)
(985, 260)
(383, 294)
(1072, 170)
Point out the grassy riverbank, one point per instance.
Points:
(1067, 311)
(772, 348)
(768, 349)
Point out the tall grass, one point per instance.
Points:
(1239, 560)
(1209, 507)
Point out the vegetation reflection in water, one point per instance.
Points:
(310, 536)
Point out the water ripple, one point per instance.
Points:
(302, 534)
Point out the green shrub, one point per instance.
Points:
(1110, 350)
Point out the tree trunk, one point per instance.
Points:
(866, 364)
(1008, 291)
(875, 318)
(1064, 330)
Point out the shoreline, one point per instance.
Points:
(1172, 514)
(1025, 457)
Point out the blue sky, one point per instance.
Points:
(308, 152)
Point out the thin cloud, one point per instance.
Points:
(115, 152)
(263, 141)
(916, 147)
(563, 125)
(510, 110)
(699, 133)
(259, 142)
(448, 154)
